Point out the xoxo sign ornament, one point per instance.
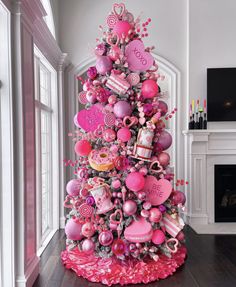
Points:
(137, 58)
(90, 119)
(157, 191)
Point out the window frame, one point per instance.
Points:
(52, 110)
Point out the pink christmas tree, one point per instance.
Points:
(124, 225)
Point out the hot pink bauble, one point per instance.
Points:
(83, 148)
(116, 184)
(180, 236)
(124, 134)
(88, 246)
(149, 89)
(73, 187)
(163, 158)
(130, 207)
(177, 197)
(103, 65)
(135, 181)
(122, 109)
(163, 107)
(164, 140)
(109, 135)
(122, 28)
(88, 229)
(155, 215)
(73, 230)
(118, 247)
(158, 237)
(105, 238)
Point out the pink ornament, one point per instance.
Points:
(121, 28)
(88, 246)
(164, 140)
(121, 163)
(178, 197)
(83, 148)
(143, 170)
(157, 191)
(90, 119)
(112, 99)
(73, 187)
(139, 231)
(118, 247)
(180, 236)
(91, 97)
(124, 134)
(109, 135)
(138, 59)
(135, 181)
(103, 65)
(130, 207)
(100, 49)
(88, 229)
(158, 237)
(164, 159)
(163, 107)
(86, 210)
(92, 73)
(116, 184)
(141, 195)
(155, 215)
(113, 226)
(149, 89)
(105, 238)
(147, 205)
(144, 213)
(73, 230)
(122, 109)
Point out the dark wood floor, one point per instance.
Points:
(211, 262)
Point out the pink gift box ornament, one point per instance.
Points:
(173, 226)
(117, 84)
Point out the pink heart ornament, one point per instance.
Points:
(137, 58)
(174, 247)
(156, 167)
(139, 231)
(157, 191)
(116, 217)
(90, 119)
(118, 9)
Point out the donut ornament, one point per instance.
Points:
(102, 160)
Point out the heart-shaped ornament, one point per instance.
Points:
(90, 119)
(157, 191)
(129, 121)
(118, 9)
(172, 245)
(139, 231)
(116, 217)
(137, 58)
(156, 167)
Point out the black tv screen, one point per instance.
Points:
(221, 94)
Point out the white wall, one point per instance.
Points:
(55, 11)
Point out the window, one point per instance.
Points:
(46, 146)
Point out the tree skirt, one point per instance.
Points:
(111, 271)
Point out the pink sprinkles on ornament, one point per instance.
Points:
(86, 210)
(109, 119)
(82, 98)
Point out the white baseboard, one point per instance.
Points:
(31, 274)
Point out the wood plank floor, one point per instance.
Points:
(211, 262)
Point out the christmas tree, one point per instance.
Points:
(124, 224)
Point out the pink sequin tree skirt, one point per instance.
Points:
(114, 271)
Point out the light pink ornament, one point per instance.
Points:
(91, 97)
(173, 248)
(103, 65)
(144, 213)
(82, 98)
(143, 170)
(155, 215)
(112, 99)
(149, 89)
(90, 119)
(116, 184)
(133, 79)
(139, 231)
(121, 28)
(86, 210)
(73, 230)
(130, 207)
(157, 191)
(88, 246)
(105, 238)
(122, 109)
(124, 134)
(73, 187)
(163, 158)
(135, 181)
(88, 229)
(138, 60)
(83, 148)
(109, 135)
(158, 237)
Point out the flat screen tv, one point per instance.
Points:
(221, 94)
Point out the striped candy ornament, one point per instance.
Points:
(173, 226)
(117, 84)
(109, 119)
(86, 210)
(82, 98)
(112, 20)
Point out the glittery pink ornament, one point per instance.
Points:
(163, 158)
(118, 247)
(88, 229)
(105, 238)
(135, 181)
(73, 187)
(73, 230)
(124, 134)
(83, 148)
(100, 49)
(116, 184)
(155, 215)
(130, 207)
(158, 237)
(122, 109)
(109, 135)
(121, 163)
(88, 246)
(122, 28)
(149, 89)
(92, 73)
(103, 65)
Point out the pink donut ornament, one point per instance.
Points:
(102, 160)
(158, 237)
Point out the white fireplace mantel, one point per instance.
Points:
(203, 150)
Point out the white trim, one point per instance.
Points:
(7, 248)
(49, 17)
(46, 242)
(31, 274)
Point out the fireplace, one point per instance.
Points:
(225, 193)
